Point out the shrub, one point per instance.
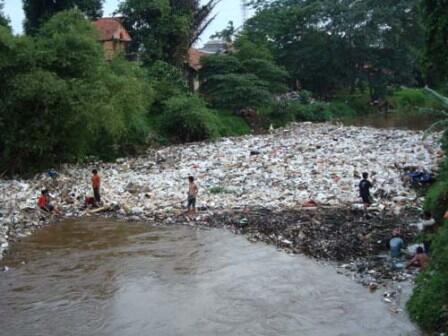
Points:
(231, 125)
(187, 118)
(269, 72)
(58, 106)
(408, 101)
(437, 199)
(236, 91)
(428, 305)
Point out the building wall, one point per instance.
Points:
(113, 48)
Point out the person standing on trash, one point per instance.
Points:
(192, 194)
(96, 183)
(395, 244)
(364, 190)
(44, 203)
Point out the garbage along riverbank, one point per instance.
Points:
(282, 172)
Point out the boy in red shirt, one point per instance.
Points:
(44, 203)
(96, 182)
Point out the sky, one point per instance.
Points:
(226, 10)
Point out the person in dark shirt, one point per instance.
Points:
(364, 190)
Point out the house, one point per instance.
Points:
(217, 47)
(112, 34)
(193, 65)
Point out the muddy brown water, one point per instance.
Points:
(412, 121)
(105, 277)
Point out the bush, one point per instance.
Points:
(408, 101)
(236, 91)
(231, 125)
(284, 112)
(437, 199)
(428, 305)
(187, 118)
(62, 101)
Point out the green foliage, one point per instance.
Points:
(187, 118)
(219, 65)
(248, 50)
(61, 100)
(37, 12)
(226, 34)
(283, 112)
(269, 72)
(4, 21)
(231, 125)
(437, 196)
(167, 81)
(229, 84)
(409, 100)
(436, 51)
(163, 29)
(236, 91)
(428, 305)
(218, 190)
(329, 45)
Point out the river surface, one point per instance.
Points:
(411, 121)
(104, 277)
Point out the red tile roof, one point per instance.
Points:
(111, 29)
(194, 58)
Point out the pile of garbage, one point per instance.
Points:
(290, 168)
(348, 236)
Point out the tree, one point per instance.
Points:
(61, 100)
(436, 52)
(37, 12)
(226, 34)
(165, 29)
(337, 45)
(226, 83)
(4, 21)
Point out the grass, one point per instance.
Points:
(219, 190)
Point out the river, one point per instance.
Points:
(104, 277)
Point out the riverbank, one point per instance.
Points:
(281, 171)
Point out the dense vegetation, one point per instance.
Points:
(428, 305)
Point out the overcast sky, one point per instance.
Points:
(227, 10)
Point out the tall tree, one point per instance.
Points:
(328, 45)
(38, 11)
(436, 54)
(165, 29)
(3, 19)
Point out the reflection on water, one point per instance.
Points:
(101, 277)
(411, 121)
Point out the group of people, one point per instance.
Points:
(397, 243)
(44, 201)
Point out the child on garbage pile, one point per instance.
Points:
(364, 190)
(192, 194)
(420, 259)
(44, 203)
(96, 182)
